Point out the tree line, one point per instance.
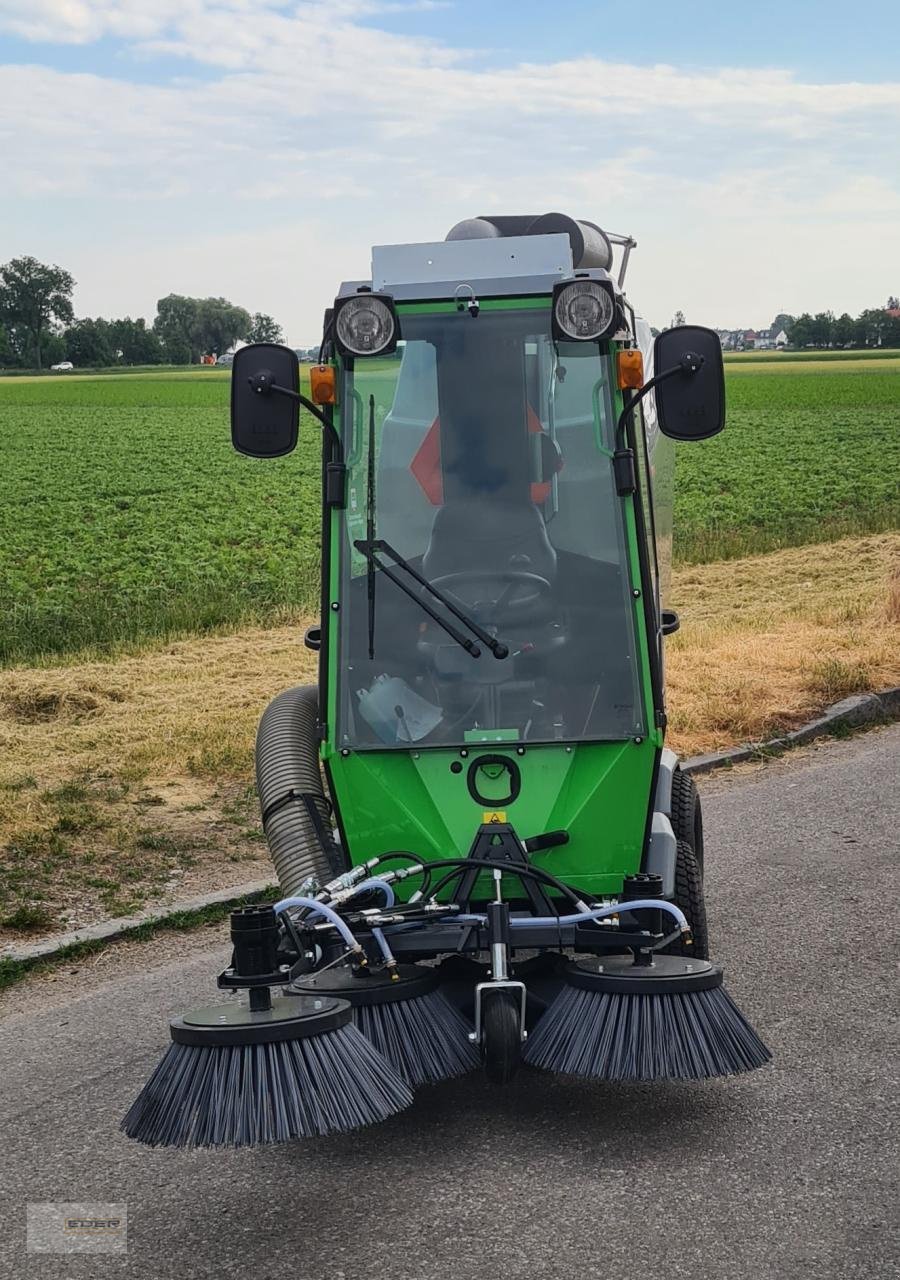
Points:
(875, 327)
(38, 326)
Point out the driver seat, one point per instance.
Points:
(486, 534)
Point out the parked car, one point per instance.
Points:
(227, 358)
(64, 366)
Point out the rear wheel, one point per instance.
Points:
(501, 1039)
(687, 816)
(689, 897)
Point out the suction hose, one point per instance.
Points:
(295, 813)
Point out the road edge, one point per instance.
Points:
(850, 713)
(853, 712)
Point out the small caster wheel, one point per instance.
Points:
(501, 1040)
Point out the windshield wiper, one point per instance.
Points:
(371, 548)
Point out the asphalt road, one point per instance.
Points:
(791, 1172)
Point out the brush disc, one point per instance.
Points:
(665, 976)
(367, 986)
(407, 1019)
(290, 1018)
(672, 1020)
(232, 1077)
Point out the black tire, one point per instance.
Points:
(501, 1039)
(689, 897)
(687, 815)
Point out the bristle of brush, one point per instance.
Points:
(425, 1039)
(613, 1036)
(244, 1095)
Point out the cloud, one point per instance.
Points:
(281, 114)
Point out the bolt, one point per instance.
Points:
(335, 605)
(636, 593)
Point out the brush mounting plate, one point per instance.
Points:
(667, 975)
(290, 1018)
(369, 987)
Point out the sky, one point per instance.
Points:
(257, 149)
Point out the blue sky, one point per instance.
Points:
(257, 148)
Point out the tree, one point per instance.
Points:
(136, 343)
(190, 327)
(873, 328)
(802, 331)
(844, 330)
(782, 321)
(176, 326)
(893, 304)
(221, 324)
(823, 329)
(264, 329)
(677, 320)
(90, 342)
(35, 296)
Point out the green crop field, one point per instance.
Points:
(127, 515)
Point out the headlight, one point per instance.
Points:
(584, 310)
(365, 324)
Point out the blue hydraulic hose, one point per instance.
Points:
(595, 913)
(376, 883)
(383, 947)
(598, 913)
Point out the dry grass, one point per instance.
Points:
(130, 779)
(768, 641)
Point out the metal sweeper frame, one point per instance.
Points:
(486, 851)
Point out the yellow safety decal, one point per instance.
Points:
(496, 815)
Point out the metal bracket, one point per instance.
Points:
(501, 984)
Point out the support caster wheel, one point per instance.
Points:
(501, 1040)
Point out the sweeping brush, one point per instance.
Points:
(671, 1019)
(235, 1076)
(406, 1018)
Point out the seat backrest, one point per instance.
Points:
(488, 535)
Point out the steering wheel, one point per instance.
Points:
(520, 594)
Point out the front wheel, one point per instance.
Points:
(687, 815)
(501, 1038)
(689, 897)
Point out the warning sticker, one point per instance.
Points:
(494, 815)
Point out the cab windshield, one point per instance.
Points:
(480, 461)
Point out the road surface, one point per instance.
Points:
(790, 1172)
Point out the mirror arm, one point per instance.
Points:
(263, 386)
(623, 458)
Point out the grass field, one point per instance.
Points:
(126, 514)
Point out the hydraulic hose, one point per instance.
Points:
(320, 908)
(295, 813)
(592, 913)
(375, 882)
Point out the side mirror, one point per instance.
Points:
(690, 405)
(265, 400)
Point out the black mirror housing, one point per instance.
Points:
(264, 421)
(690, 405)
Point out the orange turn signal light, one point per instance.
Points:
(322, 385)
(629, 370)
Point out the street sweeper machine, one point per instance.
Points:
(488, 857)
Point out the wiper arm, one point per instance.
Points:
(370, 551)
(497, 647)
